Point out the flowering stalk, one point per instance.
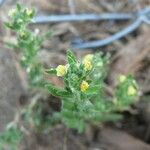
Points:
(83, 96)
(28, 42)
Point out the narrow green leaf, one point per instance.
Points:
(51, 71)
(71, 57)
(18, 6)
(58, 92)
(74, 122)
(8, 25)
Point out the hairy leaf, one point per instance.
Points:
(71, 57)
(58, 92)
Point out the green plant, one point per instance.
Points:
(10, 138)
(38, 115)
(83, 96)
(28, 42)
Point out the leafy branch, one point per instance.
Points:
(84, 98)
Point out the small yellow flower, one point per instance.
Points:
(61, 70)
(122, 78)
(87, 65)
(29, 11)
(88, 57)
(87, 62)
(131, 91)
(84, 86)
(12, 12)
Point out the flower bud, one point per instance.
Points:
(61, 70)
(29, 12)
(88, 65)
(84, 86)
(131, 91)
(122, 78)
(88, 57)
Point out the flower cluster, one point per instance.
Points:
(83, 98)
(87, 61)
(87, 65)
(126, 91)
(131, 89)
(19, 17)
(61, 70)
(84, 86)
(28, 42)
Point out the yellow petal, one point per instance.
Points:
(88, 57)
(87, 65)
(29, 11)
(122, 78)
(131, 91)
(61, 70)
(84, 86)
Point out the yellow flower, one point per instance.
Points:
(84, 86)
(88, 57)
(87, 62)
(61, 70)
(29, 11)
(131, 91)
(88, 65)
(122, 78)
(12, 12)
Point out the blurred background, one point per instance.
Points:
(129, 54)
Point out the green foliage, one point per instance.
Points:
(38, 116)
(28, 42)
(71, 58)
(125, 92)
(10, 138)
(58, 92)
(84, 98)
(20, 18)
